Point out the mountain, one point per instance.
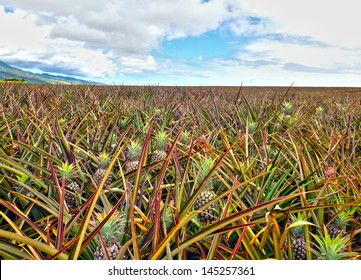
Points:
(6, 66)
(8, 72)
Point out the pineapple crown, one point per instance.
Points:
(103, 160)
(342, 219)
(298, 231)
(110, 230)
(331, 248)
(66, 171)
(160, 140)
(133, 150)
(123, 123)
(184, 138)
(287, 106)
(319, 109)
(252, 126)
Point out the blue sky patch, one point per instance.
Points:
(253, 20)
(9, 10)
(210, 45)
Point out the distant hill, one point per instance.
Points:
(9, 72)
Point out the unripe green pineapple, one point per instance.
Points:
(110, 235)
(338, 225)
(103, 163)
(133, 154)
(72, 189)
(298, 239)
(210, 214)
(160, 147)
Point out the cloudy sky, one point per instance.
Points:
(186, 42)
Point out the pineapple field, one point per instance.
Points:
(179, 173)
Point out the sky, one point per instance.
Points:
(186, 42)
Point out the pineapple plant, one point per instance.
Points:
(298, 239)
(184, 137)
(103, 163)
(287, 107)
(123, 122)
(210, 214)
(160, 147)
(338, 224)
(133, 154)
(328, 248)
(319, 110)
(72, 189)
(110, 235)
(252, 126)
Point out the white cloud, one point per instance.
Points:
(99, 38)
(230, 73)
(20, 32)
(126, 25)
(26, 41)
(308, 55)
(138, 64)
(332, 22)
(128, 30)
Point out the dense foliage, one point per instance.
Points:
(179, 173)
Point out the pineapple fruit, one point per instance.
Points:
(338, 225)
(160, 147)
(210, 214)
(298, 239)
(110, 236)
(133, 154)
(103, 163)
(72, 189)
